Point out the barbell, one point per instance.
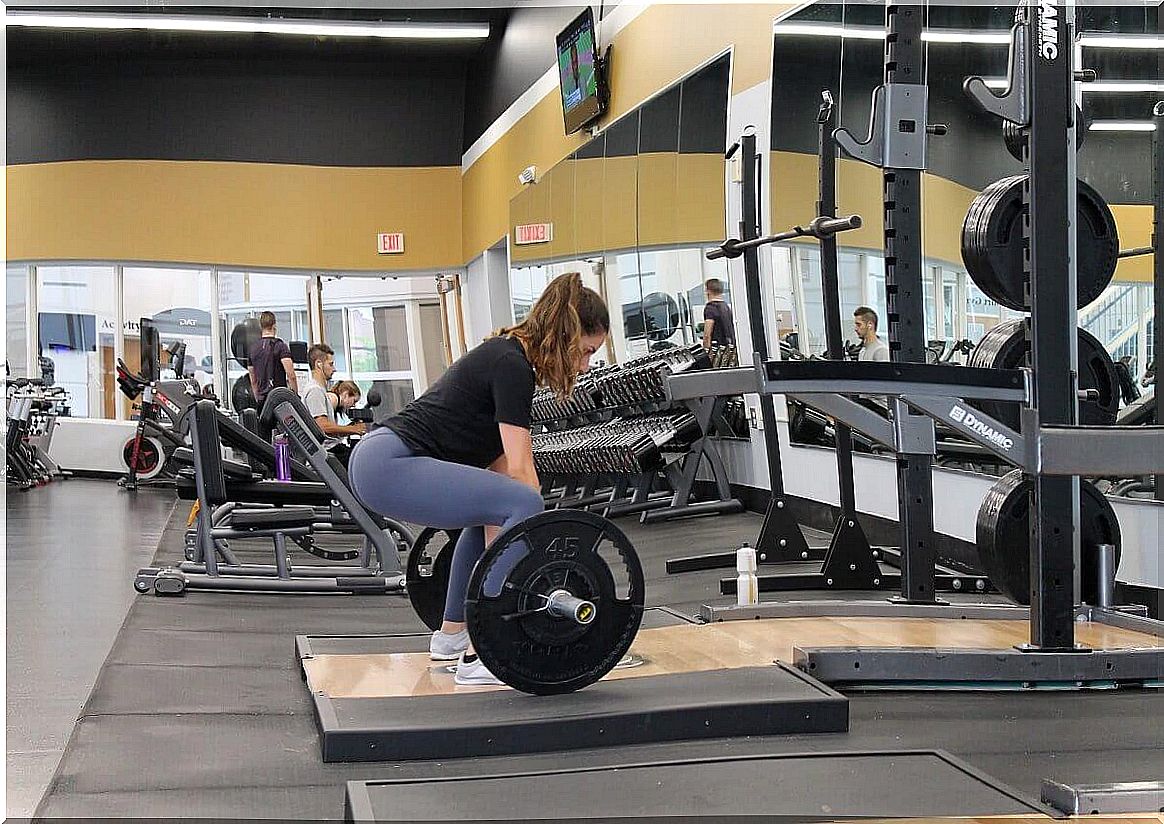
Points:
(553, 605)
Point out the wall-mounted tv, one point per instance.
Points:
(580, 73)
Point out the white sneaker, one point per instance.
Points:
(446, 647)
(471, 672)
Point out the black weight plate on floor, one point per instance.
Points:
(992, 243)
(1003, 536)
(519, 641)
(1006, 347)
(427, 573)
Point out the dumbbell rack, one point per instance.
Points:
(608, 443)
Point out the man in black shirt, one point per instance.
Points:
(270, 361)
(719, 327)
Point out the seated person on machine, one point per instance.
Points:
(343, 398)
(460, 456)
(318, 401)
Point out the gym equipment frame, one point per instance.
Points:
(1051, 448)
(379, 570)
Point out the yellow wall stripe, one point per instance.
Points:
(657, 48)
(793, 190)
(241, 214)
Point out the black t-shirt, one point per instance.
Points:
(266, 357)
(723, 333)
(456, 419)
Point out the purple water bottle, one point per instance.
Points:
(282, 457)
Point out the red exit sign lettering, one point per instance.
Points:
(390, 243)
(533, 233)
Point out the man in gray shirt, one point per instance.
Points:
(865, 325)
(321, 359)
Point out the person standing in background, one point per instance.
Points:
(270, 361)
(719, 326)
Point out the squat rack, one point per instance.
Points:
(1051, 448)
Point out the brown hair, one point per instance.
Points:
(318, 352)
(866, 314)
(349, 387)
(714, 286)
(267, 320)
(552, 332)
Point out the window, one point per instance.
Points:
(951, 323)
(379, 340)
(178, 302)
(875, 284)
(77, 320)
(243, 295)
(16, 321)
(852, 280)
(432, 341)
(929, 289)
(373, 328)
(333, 336)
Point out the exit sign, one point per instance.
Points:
(533, 233)
(390, 243)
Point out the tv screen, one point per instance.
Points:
(67, 331)
(151, 350)
(578, 72)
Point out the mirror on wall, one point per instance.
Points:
(646, 200)
(841, 47)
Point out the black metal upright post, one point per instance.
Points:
(1158, 254)
(830, 286)
(848, 539)
(905, 304)
(780, 537)
(1049, 199)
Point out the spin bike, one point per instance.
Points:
(162, 425)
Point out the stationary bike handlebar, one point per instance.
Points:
(819, 227)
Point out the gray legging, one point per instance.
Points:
(394, 482)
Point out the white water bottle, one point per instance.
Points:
(747, 585)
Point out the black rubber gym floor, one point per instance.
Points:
(200, 710)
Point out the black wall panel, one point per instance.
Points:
(288, 110)
(511, 63)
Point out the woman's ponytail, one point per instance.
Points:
(552, 332)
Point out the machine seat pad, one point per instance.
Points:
(286, 517)
(233, 470)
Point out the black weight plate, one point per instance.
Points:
(974, 231)
(522, 644)
(1006, 347)
(241, 396)
(1097, 245)
(1014, 138)
(426, 574)
(1003, 536)
(308, 545)
(992, 243)
(242, 338)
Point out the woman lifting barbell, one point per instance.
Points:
(460, 455)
